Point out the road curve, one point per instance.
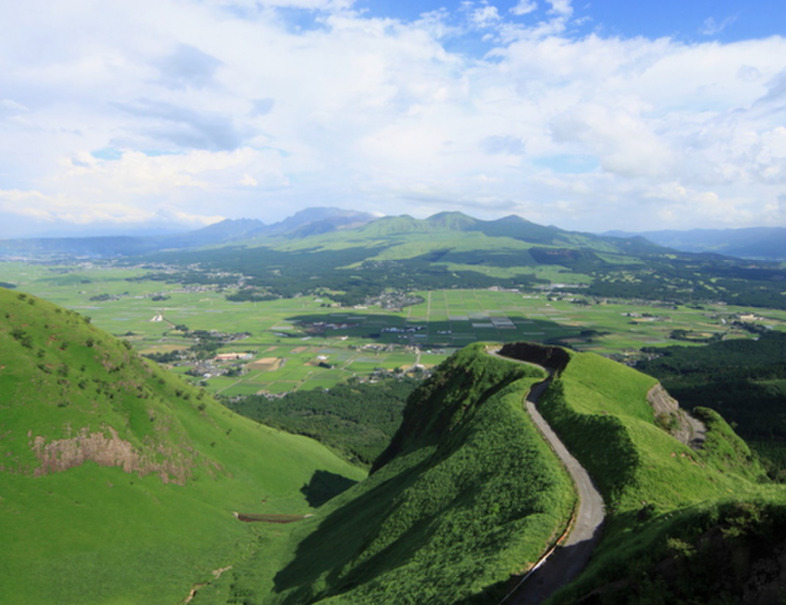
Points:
(568, 559)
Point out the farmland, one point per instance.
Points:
(308, 342)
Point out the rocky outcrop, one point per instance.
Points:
(106, 448)
(670, 417)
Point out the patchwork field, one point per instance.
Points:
(305, 343)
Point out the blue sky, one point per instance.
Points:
(590, 115)
(687, 20)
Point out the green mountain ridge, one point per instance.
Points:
(468, 496)
(117, 479)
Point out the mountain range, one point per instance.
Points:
(306, 222)
(355, 256)
(763, 243)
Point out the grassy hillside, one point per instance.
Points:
(467, 494)
(117, 484)
(664, 498)
(744, 380)
(596, 401)
(118, 480)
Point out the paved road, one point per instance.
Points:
(572, 556)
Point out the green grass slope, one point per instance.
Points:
(666, 502)
(467, 494)
(600, 410)
(744, 380)
(118, 480)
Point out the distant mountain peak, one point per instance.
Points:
(233, 226)
(513, 219)
(318, 220)
(452, 220)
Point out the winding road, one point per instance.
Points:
(562, 564)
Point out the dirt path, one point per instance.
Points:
(564, 563)
(216, 575)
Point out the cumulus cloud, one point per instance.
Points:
(231, 110)
(485, 15)
(503, 144)
(562, 8)
(524, 7)
(10, 108)
(261, 107)
(775, 97)
(240, 7)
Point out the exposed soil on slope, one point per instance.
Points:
(105, 448)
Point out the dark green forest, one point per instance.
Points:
(357, 419)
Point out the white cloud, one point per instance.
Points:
(187, 67)
(711, 27)
(206, 109)
(254, 5)
(485, 16)
(10, 108)
(524, 7)
(562, 8)
(249, 181)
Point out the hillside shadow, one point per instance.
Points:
(342, 534)
(323, 486)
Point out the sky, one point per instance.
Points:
(590, 115)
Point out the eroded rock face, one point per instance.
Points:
(106, 448)
(674, 419)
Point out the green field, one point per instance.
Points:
(289, 337)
